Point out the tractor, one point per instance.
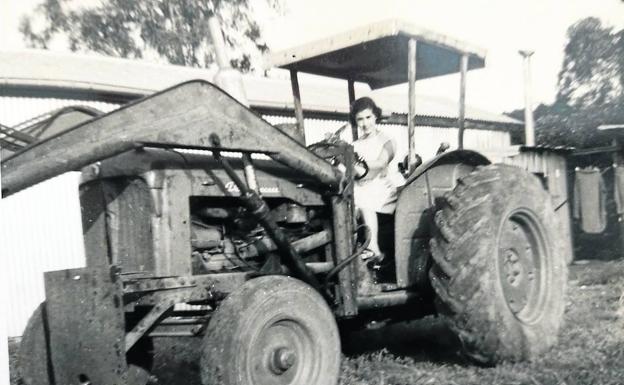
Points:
(202, 220)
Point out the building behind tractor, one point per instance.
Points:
(190, 198)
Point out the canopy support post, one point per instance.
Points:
(351, 83)
(462, 100)
(411, 78)
(294, 81)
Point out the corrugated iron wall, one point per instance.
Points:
(426, 139)
(553, 168)
(15, 110)
(41, 229)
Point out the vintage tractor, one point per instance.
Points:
(201, 220)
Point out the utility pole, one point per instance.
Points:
(529, 127)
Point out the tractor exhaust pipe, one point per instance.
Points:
(227, 78)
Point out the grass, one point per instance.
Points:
(590, 349)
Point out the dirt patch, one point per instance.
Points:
(590, 349)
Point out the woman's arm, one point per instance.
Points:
(378, 165)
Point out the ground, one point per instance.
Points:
(590, 349)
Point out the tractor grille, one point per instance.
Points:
(116, 215)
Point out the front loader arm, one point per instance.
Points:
(183, 116)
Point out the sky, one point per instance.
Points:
(502, 27)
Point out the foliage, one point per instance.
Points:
(561, 124)
(591, 89)
(593, 70)
(176, 30)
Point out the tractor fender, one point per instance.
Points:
(467, 157)
(416, 204)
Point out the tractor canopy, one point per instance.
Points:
(377, 54)
(383, 54)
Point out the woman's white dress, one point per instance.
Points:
(380, 192)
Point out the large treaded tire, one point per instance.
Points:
(498, 271)
(273, 330)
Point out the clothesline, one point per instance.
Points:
(596, 168)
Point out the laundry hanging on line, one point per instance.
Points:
(590, 200)
(618, 190)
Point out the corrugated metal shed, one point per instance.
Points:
(22, 110)
(41, 230)
(550, 164)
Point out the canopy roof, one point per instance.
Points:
(378, 54)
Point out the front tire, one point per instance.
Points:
(498, 270)
(274, 330)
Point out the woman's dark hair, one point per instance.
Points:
(362, 104)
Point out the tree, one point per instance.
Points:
(591, 89)
(175, 30)
(593, 69)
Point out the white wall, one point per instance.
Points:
(40, 231)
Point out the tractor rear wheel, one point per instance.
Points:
(498, 271)
(273, 330)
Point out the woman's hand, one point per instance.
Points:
(360, 167)
(379, 165)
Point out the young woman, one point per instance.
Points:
(376, 191)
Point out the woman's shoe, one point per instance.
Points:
(367, 282)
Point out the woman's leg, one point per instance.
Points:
(370, 220)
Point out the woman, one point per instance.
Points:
(376, 191)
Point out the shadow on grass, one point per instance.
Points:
(176, 361)
(424, 340)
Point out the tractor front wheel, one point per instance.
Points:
(498, 270)
(274, 330)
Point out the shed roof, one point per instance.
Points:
(564, 150)
(44, 73)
